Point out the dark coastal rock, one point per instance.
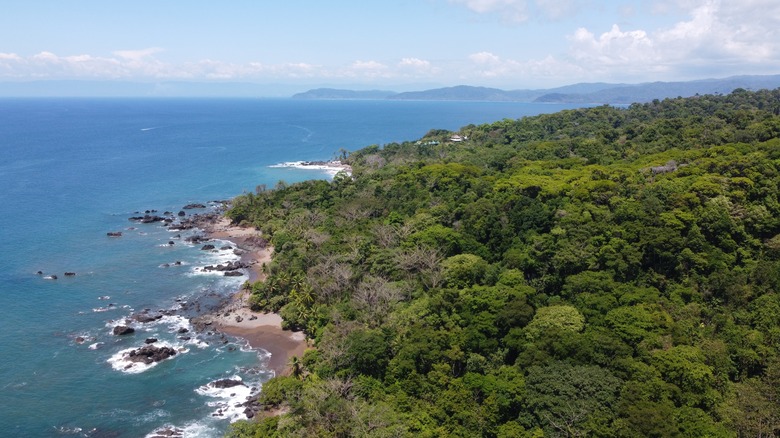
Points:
(150, 353)
(167, 432)
(226, 248)
(182, 330)
(114, 234)
(181, 213)
(196, 238)
(39, 273)
(171, 242)
(147, 219)
(233, 273)
(122, 330)
(50, 277)
(252, 406)
(258, 242)
(194, 205)
(79, 339)
(207, 247)
(226, 383)
(70, 274)
(229, 266)
(145, 317)
(150, 340)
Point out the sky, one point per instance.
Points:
(397, 45)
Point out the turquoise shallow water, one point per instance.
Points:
(74, 169)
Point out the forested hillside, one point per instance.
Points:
(601, 272)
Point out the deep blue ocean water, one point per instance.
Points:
(74, 169)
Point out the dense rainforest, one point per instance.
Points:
(600, 272)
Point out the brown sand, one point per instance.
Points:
(242, 238)
(261, 330)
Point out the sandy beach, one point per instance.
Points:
(261, 330)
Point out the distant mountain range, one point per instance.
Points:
(578, 93)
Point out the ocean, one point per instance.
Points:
(74, 170)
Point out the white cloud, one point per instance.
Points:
(137, 55)
(732, 37)
(365, 69)
(415, 63)
(518, 11)
(543, 72)
(510, 10)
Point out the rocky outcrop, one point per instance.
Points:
(122, 330)
(230, 269)
(148, 219)
(194, 205)
(145, 317)
(114, 234)
(150, 353)
(226, 383)
(167, 432)
(207, 247)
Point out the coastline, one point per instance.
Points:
(330, 167)
(260, 330)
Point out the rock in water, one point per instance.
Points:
(226, 383)
(149, 354)
(121, 330)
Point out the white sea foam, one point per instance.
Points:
(105, 309)
(191, 430)
(96, 345)
(120, 360)
(329, 167)
(227, 401)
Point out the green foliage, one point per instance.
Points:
(560, 319)
(594, 272)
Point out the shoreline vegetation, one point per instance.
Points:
(260, 330)
(603, 271)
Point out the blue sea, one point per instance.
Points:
(73, 170)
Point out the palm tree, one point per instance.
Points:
(296, 367)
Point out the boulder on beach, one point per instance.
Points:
(121, 330)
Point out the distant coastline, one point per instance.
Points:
(582, 93)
